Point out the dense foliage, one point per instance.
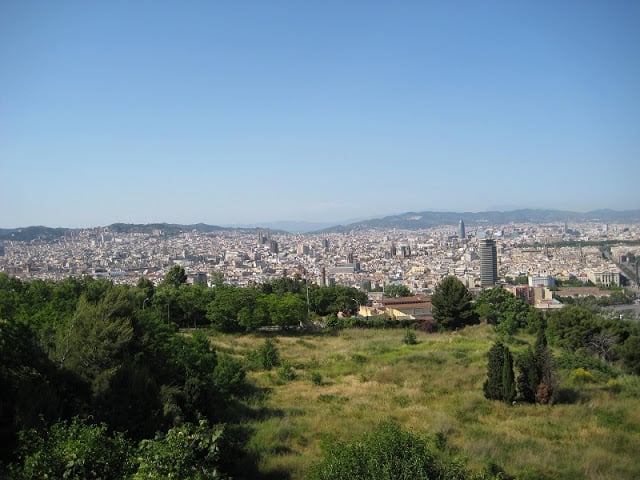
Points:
(89, 349)
(504, 310)
(387, 453)
(500, 383)
(452, 305)
(583, 331)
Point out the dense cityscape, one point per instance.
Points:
(367, 260)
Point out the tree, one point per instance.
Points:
(287, 310)
(266, 356)
(629, 352)
(146, 289)
(452, 306)
(502, 309)
(189, 452)
(176, 276)
(528, 376)
(508, 381)
(387, 453)
(500, 383)
(93, 341)
(73, 450)
(394, 290)
(537, 380)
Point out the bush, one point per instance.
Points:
(74, 449)
(332, 321)
(581, 376)
(266, 356)
(571, 361)
(410, 337)
(316, 378)
(386, 453)
(286, 372)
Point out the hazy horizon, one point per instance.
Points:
(267, 223)
(145, 112)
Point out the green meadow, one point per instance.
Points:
(338, 385)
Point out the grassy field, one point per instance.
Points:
(346, 383)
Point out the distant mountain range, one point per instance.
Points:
(409, 221)
(422, 220)
(288, 226)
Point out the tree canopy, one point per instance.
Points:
(452, 304)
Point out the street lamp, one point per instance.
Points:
(144, 302)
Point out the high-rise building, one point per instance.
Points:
(461, 232)
(488, 263)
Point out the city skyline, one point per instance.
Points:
(228, 115)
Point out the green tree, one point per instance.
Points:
(387, 453)
(32, 389)
(500, 383)
(502, 309)
(176, 276)
(394, 290)
(287, 310)
(536, 367)
(146, 289)
(452, 306)
(528, 377)
(188, 452)
(73, 450)
(335, 299)
(629, 352)
(92, 343)
(284, 285)
(508, 380)
(236, 309)
(266, 356)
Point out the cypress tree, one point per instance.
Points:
(508, 381)
(493, 384)
(529, 376)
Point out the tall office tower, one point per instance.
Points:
(461, 232)
(488, 263)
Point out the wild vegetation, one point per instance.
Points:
(97, 380)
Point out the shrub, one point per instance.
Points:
(410, 337)
(581, 375)
(266, 356)
(286, 372)
(332, 321)
(386, 453)
(74, 449)
(316, 378)
(613, 385)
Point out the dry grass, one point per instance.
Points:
(433, 387)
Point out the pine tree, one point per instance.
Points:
(452, 304)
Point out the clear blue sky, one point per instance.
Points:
(244, 112)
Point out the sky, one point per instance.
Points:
(237, 112)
